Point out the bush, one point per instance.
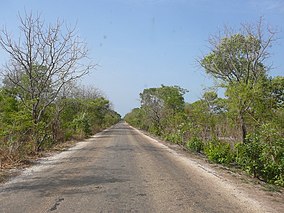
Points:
(82, 125)
(219, 152)
(174, 138)
(68, 134)
(248, 156)
(195, 144)
(263, 155)
(272, 156)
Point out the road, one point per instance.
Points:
(121, 170)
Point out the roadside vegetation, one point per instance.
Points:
(243, 129)
(41, 104)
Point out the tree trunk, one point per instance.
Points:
(243, 127)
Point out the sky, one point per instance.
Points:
(139, 44)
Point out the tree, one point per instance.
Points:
(84, 112)
(238, 60)
(15, 122)
(274, 100)
(42, 62)
(161, 104)
(207, 116)
(277, 91)
(136, 118)
(152, 104)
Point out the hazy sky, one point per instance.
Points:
(146, 43)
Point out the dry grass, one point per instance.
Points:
(11, 163)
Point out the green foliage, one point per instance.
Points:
(160, 106)
(272, 154)
(232, 58)
(15, 122)
(111, 117)
(204, 123)
(277, 91)
(40, 104)
(195, 144)
(248, 155)
(254, 106)
(84, 117)
(82, 125)
(237, 60)
(206, 116)
(263, 154)
(136, 118)
(255, 102)
(174, 138)
(68, 118)
(219, 152)
(252, 112)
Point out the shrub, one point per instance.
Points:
(263, 155)
(219, 152)
(248, 156)
(195, 144)
(82, 125)
(173, 137)
(272, 155)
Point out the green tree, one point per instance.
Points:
(160, 105)
(207, 115)
(42, 62)
(15, 123)
(238, 60)
(84, 115)
(137, 118)
(277, 91)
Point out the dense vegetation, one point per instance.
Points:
(246, 128)
(40, 104)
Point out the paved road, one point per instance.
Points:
(119, 170)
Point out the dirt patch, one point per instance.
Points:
(10, 168)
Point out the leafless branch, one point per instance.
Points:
(43, 60)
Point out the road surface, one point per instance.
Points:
(122, 170)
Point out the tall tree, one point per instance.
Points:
(42, 61)
(238, 60)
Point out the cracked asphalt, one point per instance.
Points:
(121, 170)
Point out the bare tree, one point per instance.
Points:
(43, 60)
(86, 92)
